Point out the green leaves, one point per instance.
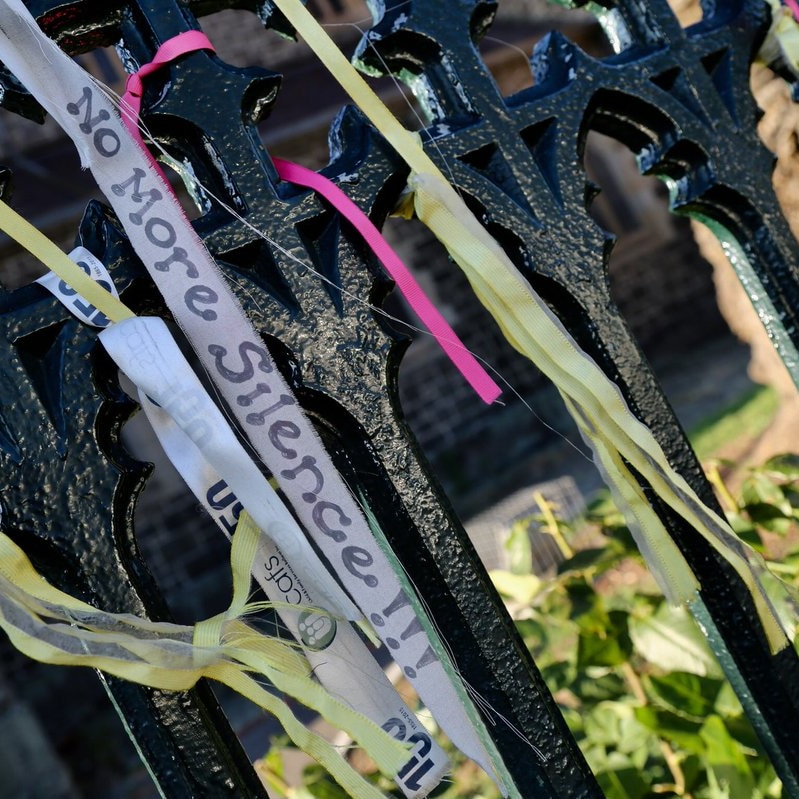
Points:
(782, 468)
(624, 782)
(635, 678)
(670, 639)
(521, 588)
(620, 748)
(519, 549)
(769, 496)
(687, 695)
(725, 759)
(759, 490)
(641, 690)
(680, 732)
(603, 639)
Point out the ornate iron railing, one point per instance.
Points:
(678, 98)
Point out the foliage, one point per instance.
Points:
(753, 411)
(634, 677)
(638, 685)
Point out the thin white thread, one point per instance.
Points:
(478, 698)
(482, 702)
(350, 295)
(511, 46)
(36, 33)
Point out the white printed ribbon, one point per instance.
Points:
(145, 351)
(287, 571)
(245, 374)
(339, 658)
(70, 298)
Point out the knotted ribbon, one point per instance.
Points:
(52, 627)
(130, 105)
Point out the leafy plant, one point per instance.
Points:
(634, 678)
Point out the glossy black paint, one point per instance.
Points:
(679, 99)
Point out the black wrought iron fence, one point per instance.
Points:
(678, 98)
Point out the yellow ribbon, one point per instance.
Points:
(56, 260)
(53, 627)
(533, 330)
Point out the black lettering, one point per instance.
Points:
(298, 601)
(414, 628)
(247, 369)
(153, 196)
(167, 236)
(230, 526)
(282, 429)
(149, 197)
(201, 294)
(101, 138)
(318, 515)
(245, 400)
(84, 307)
(396, 728)
(213, 498)
(89, 122)
(283, 587)
(274, 576)
(180, 256)
(307, 464)
(355, 557)
(400, 601)
(428, 657)
(272, 562)
(412, 780)
(260, 417)
(136, 179)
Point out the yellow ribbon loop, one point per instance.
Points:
(534, 331)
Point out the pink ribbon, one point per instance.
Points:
(794, 6)
(130, 104)
(464, 361)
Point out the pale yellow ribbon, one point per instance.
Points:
(53, 627)
(533, 330)
(24, 233)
